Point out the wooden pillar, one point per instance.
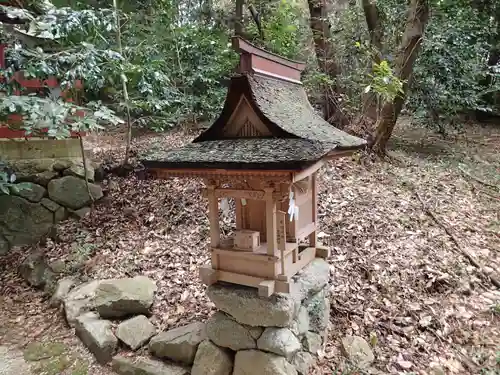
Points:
(313, 237)
(272, 241)
(213, 216)
(282, 239)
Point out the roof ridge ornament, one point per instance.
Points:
(256, 60)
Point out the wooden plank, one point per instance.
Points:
(255, 256)
(306, 231)
(297, 176)
(215, 260)
(282, 287)
(313, 238)
(236, 278)
(208, 275)
(242, 193)
(272, 243)
(305, 257)
(339, 154)
(239, 214)
(213, 217)
(266, 288)
(322, 252)
(281, 234)
(281, 175)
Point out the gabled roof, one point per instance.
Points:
(297, 136)
(285, 108)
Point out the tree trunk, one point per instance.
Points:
(372, 16)
(494, 57)
(320, 26)
(238, 22)
(418, 16)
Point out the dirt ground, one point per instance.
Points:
(398, 231)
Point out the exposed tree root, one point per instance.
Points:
(448, 231)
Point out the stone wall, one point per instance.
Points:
(45, 194)
(279, 335)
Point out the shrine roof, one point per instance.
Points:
(249, 153)
(295, 134)
(285, 108)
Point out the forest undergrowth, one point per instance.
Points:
(399, 231)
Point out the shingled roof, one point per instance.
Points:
(297, 135)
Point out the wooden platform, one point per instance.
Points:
(261, 270)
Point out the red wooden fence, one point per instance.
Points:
(32, 85)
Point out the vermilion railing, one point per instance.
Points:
(32, 85)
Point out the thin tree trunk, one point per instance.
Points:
(494, 57)
(320, 26)
(128, 139)
(238, 23)
(418, 16)
(373, 22)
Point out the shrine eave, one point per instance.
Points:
(247, 153)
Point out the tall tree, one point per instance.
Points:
(375, 29)
(416, 22)
(320, 26)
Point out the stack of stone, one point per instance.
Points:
(42, 196)
(278, 335)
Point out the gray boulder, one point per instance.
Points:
(253, 362)
(280, 341)
(35, 270)
(312, 342)
(80, 300)
(61, 164)
(72, 192)
(111, 298)
(318, 308)
(29, 191)
(23, 222)
(57, 210)
(301, 324)
(179, 344)
(43, 178)
(62, 290)
(115, 298)
(145, 366)
(81, 213)
(245, 305)
(4, 245)
(358, 351)
(212, 360)
(302, 361)
(97, 336)
(135, 332)
(228, 333)
(77, 170)
(312, 279)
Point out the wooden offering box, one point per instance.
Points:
(264, 151)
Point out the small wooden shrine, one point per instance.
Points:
(264, 151)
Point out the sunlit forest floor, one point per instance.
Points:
(397, 276)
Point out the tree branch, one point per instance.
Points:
(448, 231)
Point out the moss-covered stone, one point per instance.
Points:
(23, 222)
(54, 358)
(37, 351)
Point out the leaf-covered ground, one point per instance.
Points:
(397, 278)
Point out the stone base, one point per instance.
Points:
(278, 335)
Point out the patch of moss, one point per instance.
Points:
(53, 366)
(80, 368)
(37, 351)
